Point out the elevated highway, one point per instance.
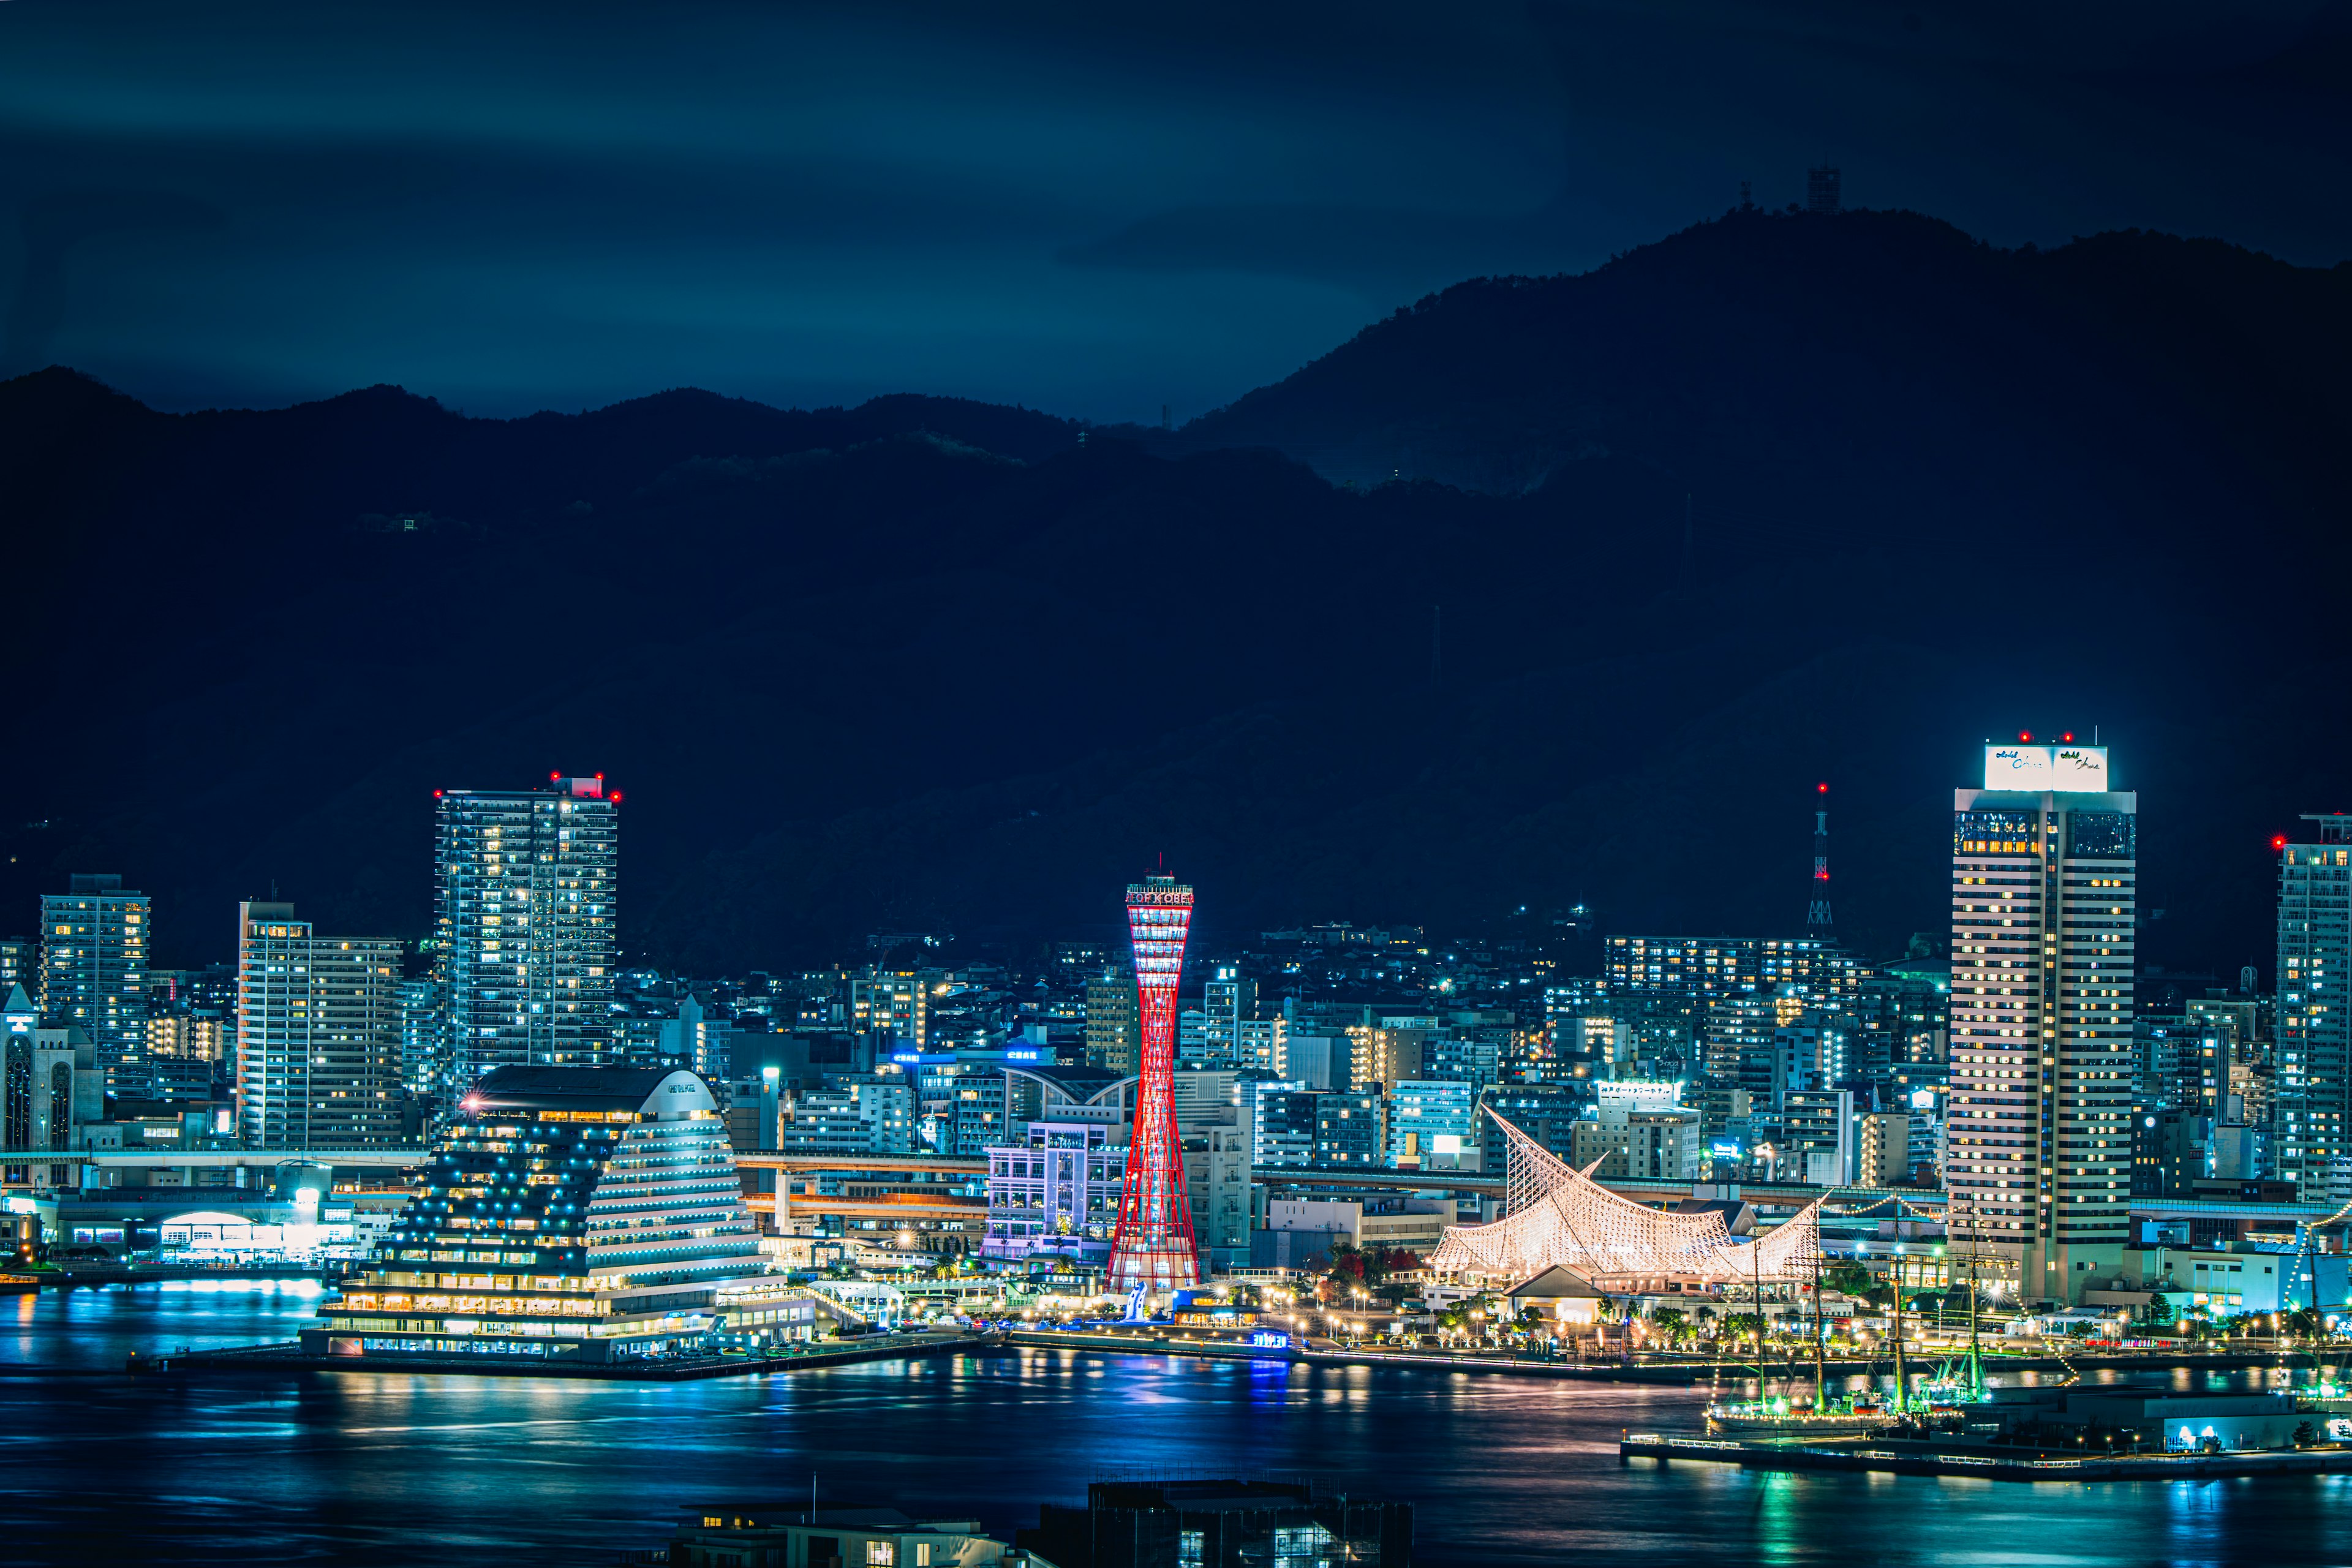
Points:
(379, 1158)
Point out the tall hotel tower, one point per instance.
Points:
(1152, 1245)
(523, 895)
(2315, 1014)
(2043, 860)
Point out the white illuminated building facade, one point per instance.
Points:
(2037, 1161)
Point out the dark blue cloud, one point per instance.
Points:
(1100, 212)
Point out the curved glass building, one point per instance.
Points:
(592, 1214)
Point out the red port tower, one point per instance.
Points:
(1153, 1243)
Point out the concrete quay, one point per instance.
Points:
(1880, 1456)
(288, 1356)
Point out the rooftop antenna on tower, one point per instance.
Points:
(1817, 914)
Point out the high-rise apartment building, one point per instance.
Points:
(891, 1002)
(2044, 869)
(1638, 1144)
(94, 957)
(525, 889)
(1351, 1129)
(318, 1035)
(1113, 1022)
(423, 1020)
(2314, 1006)
(1882, 1148)
(1697, 970)
(1216, 1033)
(1390, 1051)
(1431, 1121)
(1282, 1123)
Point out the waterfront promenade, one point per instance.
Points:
(1672, 1371)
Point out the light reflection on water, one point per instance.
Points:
(402, 1468)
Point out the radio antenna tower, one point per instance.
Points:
(1817, 915)
(1152, 1247)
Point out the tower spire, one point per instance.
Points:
(1817, 914)
(1152, 1244)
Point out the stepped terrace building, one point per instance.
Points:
(585, 1213)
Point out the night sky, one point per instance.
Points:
(1092, 210)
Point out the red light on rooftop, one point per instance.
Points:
(2025, 734)
(2069, 735)
(617, 797)
(437, 795)
(554, 777)
(2278, 841)
(601, 775)
(1820, 789)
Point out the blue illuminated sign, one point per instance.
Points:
(1266, 1341)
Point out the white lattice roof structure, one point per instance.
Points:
(1554, 1214)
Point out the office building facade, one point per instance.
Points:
(2037, 1158)
(525, 901)
(1057, 1191)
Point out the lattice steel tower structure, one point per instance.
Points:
(1817, 916)
(1153, 1243)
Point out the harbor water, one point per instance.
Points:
(310, 1467)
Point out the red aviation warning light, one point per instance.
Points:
(2025, 734)
(2278, 840)
(1153, 1246)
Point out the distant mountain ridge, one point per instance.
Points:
(1541, 591)
(1495, 384)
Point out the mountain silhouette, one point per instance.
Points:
(1541, 592)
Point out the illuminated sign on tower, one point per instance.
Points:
(1153, 1243)
(2080, 770)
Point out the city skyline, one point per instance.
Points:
(1360, 741)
